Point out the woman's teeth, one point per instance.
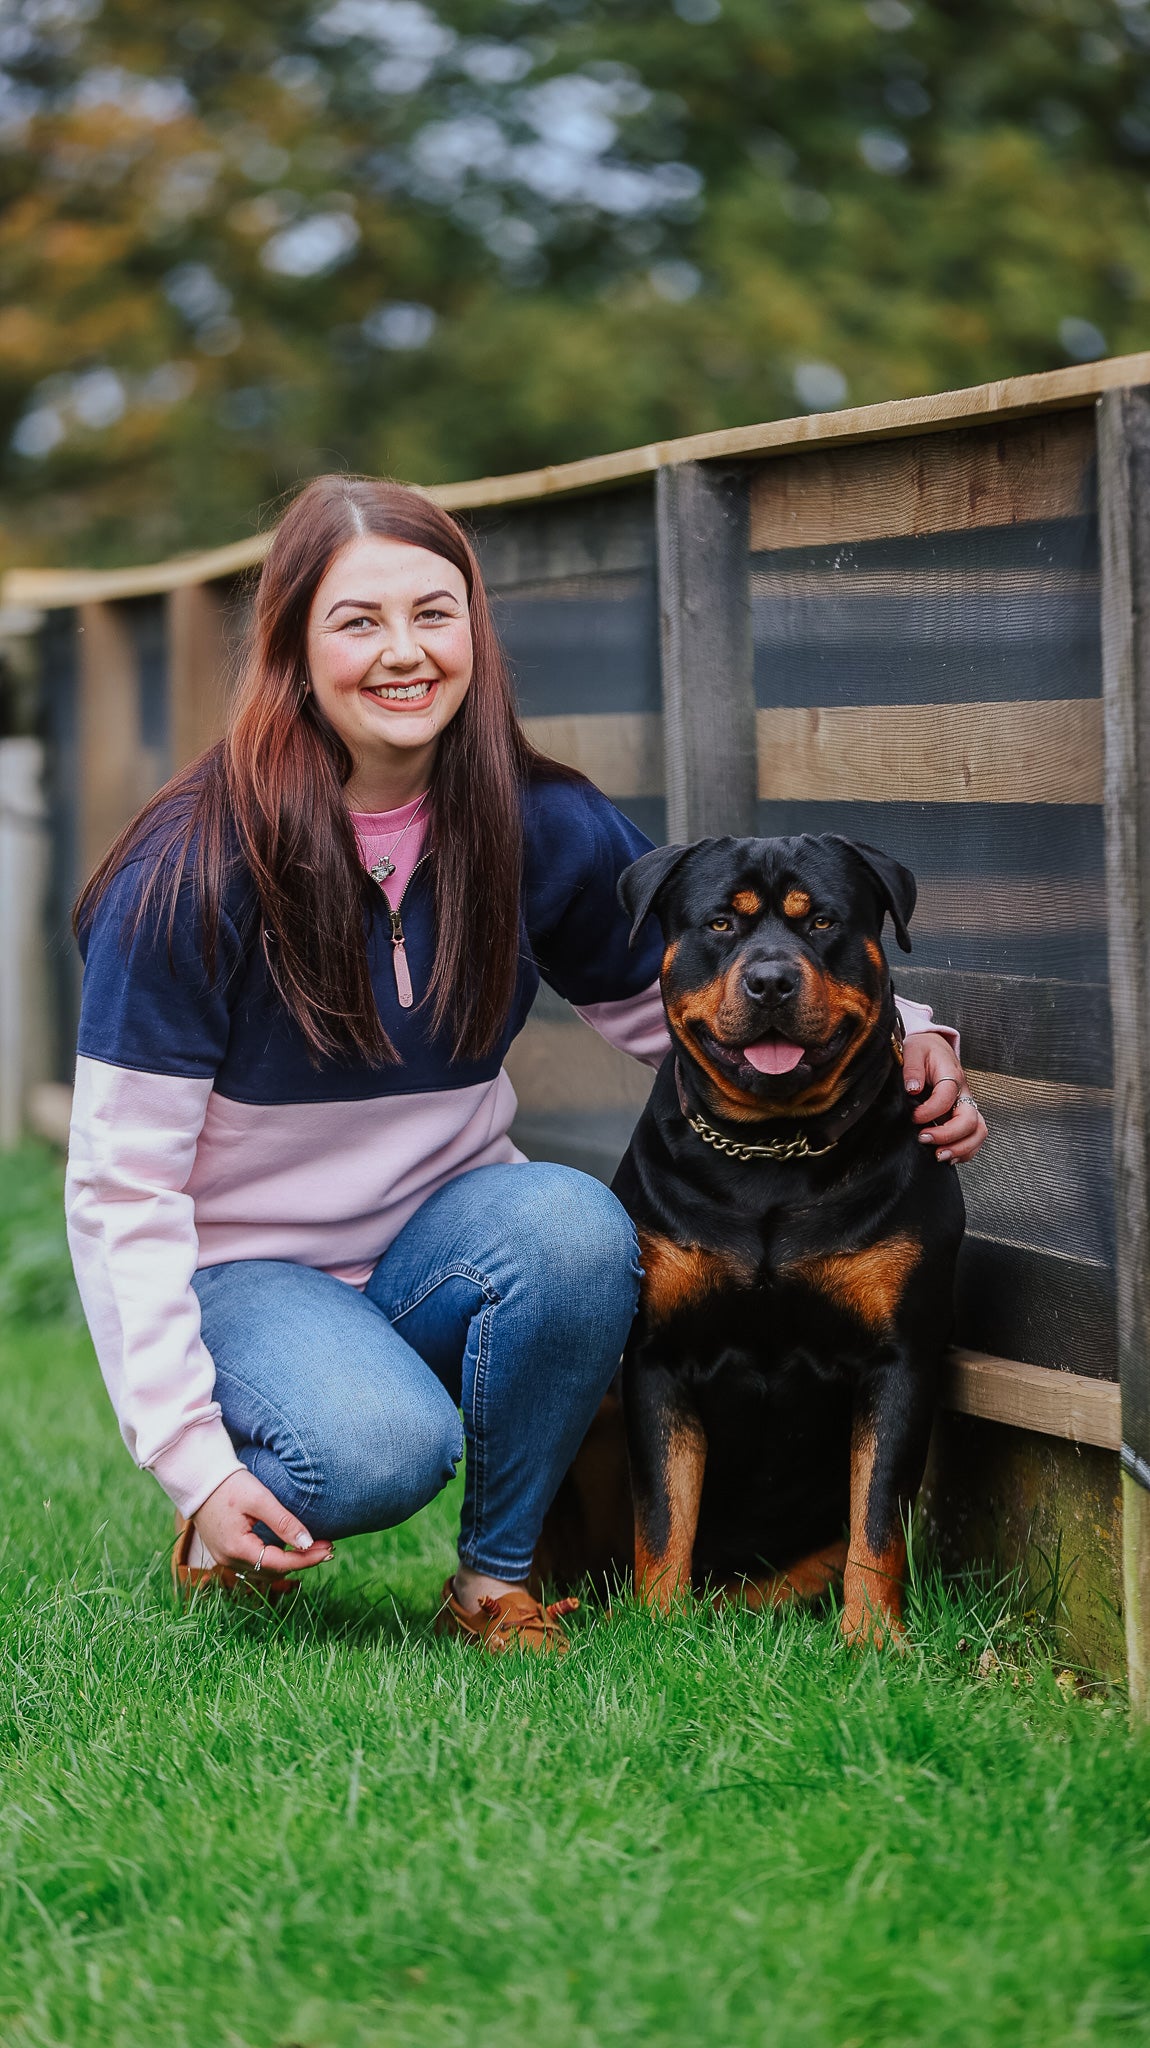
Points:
(405, 693)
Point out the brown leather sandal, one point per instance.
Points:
(514, 1621)
(190, 1579)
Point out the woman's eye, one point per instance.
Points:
(433, 617)
(821, 924)
(720, 924)
(365, 621)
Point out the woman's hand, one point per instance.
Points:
(931, 1063)
(225, 1523)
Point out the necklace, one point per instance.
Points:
(385, 867)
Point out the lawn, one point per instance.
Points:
(324, 1828)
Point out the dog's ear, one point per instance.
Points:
(897, 887)
(639, 885)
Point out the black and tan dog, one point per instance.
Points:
(798, 1242)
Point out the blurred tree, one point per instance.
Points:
(242, 240)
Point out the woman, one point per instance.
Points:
(302, 1235)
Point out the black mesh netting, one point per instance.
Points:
(959, 678)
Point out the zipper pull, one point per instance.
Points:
(399, 958)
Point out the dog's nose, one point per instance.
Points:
(773, 979)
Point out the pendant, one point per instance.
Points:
(382, 869)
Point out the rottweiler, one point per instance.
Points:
(798, 1243)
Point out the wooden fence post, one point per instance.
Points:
(197, 665)
(24, 1035)
(109, 730)
(702, 526)
(1124, 514)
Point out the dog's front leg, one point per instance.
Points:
(667, 1450)
(890, 1433)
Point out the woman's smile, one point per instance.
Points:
(389, 659)
(417, 692)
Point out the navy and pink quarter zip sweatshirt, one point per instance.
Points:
(202, 1132)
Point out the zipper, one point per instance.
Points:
(399, 961)
(403, 987)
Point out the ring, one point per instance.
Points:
(967, 1098)
(260, 1558)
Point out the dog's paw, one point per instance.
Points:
(877, 1628)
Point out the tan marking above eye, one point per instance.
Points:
(746, 903)
(796, 903)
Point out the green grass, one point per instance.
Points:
(327, 1829)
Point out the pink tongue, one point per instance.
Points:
(773, 1055)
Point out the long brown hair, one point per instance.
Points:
(271, 793)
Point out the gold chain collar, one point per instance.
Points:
(779, 1148)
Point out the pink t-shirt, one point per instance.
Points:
(397, 836)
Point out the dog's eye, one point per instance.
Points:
(821, 924)
(720, 924)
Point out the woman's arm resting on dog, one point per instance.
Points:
(956, 1125)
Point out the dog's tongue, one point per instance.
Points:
(773, 1055)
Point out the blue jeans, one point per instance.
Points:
(509, 1294)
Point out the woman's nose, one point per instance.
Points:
(400, 647)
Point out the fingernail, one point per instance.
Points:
(302, 1540)
(944, 1155)
(912, 1087)
(924, 1138)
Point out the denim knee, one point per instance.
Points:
(391, 1462)
(581, 1230)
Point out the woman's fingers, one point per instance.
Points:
(268, 1558)
(959, 1136)
(226, 1523)
(943, 1098)
(931, 1071)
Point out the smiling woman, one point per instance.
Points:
(302, 1234)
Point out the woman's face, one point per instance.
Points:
(389, 652)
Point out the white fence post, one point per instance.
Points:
(25, 1052)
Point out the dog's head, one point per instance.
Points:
(774, 977)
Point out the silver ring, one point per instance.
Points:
(260, 1558)
(967, 1098)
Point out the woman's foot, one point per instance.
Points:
(508, 1619)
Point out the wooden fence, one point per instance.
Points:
(924, 625)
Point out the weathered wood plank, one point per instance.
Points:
(110, 777)
(707, 657)
(1124, 514)
(620, 750)
(1017, 1024)
(566, 538)
(1063, 1404)
(1041, 752)
(996, 476)
(197, 668)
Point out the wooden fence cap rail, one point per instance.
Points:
(979, 405)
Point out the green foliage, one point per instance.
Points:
(322, 1827)
(36, 1281)
(243, 242)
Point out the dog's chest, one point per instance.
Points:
(775, 1285)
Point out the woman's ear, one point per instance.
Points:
(639, 885)
(898, 890)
